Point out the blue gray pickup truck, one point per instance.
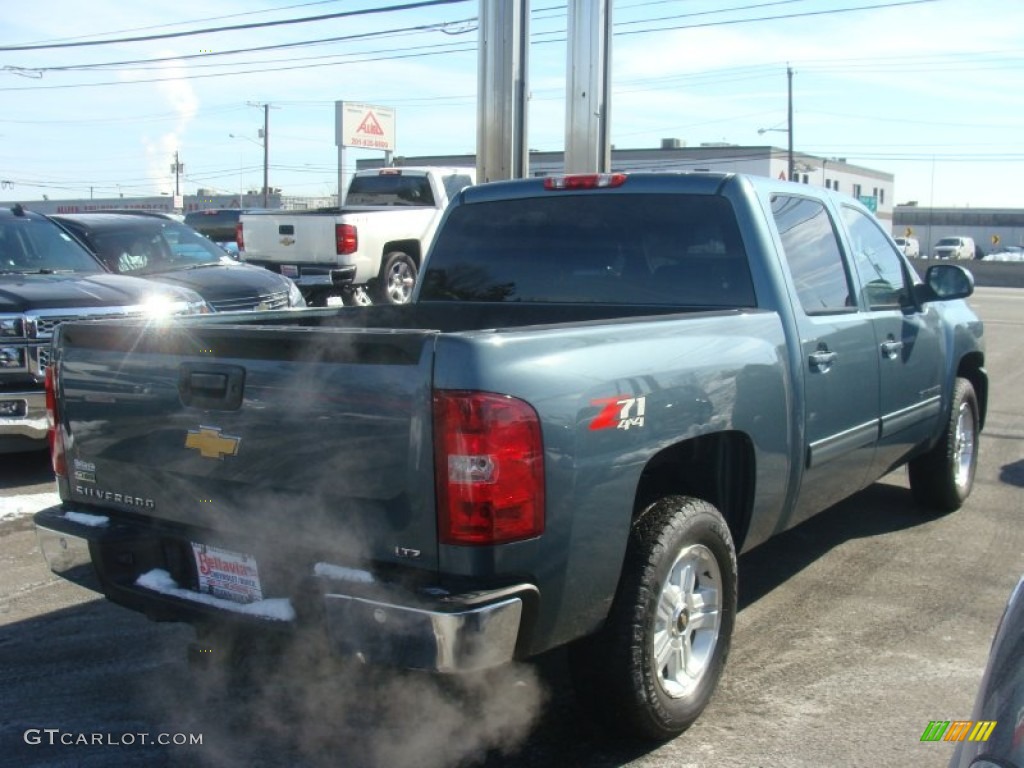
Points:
(604, 388)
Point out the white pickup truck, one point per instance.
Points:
(369, 250)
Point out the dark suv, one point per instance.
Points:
(168, 251)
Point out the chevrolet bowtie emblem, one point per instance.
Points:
(211, 444)
(287, 241)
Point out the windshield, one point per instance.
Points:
(949, 241)
(33, 245)
(151, 246)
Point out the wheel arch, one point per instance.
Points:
(411, 248)
(718, 468)
(972, 368)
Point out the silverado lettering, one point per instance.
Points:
(117, 498)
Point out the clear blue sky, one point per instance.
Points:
(930, 91)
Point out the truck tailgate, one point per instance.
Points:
(307, 238)
(314, 437)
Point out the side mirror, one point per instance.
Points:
(945, 282)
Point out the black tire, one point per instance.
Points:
(942, 479)
(396, 280)
(618, 674)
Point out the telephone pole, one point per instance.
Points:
(266, 153)
(176, 169)
(265, 135)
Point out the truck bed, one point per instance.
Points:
(324, 410)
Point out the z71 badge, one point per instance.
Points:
(619, 413)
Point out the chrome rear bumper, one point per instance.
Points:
(418, 638)
(375, 622)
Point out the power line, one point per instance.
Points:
(193, 21)
(471, 47)
(441, 27)
(278, 46)
(236, 27)
(162, 117)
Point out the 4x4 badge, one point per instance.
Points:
(211, 444)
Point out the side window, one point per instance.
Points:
(879, 268)
(812, 252)
(455, 183)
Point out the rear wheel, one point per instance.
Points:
(653, 667)
(942, 478)
(397, 278)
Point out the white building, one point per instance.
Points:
(874, 188)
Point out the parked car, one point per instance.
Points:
(909, 245)
(218, 224)
(955, 247)
(1006, 253)
(48, 278)
(368, 250)
(1000, 697)
(170, 252)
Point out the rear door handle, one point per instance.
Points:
(891, 348)
(822, 360)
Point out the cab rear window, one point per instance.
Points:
(586, 249)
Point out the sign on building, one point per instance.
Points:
(364, 126)
(870, 202)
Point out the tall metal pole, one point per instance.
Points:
(266, 152)
(588, 89)
(502, 64)
(789, 79)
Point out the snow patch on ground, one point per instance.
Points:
(28, 504)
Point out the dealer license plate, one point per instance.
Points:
(290, 270)
(226, 574)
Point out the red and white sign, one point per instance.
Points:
(228, 575)
(364, 126)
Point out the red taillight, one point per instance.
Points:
(345, 239)
(489, 465)
(239, 237)
(53, 430)
(585, 181)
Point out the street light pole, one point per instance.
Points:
(789, 130)
(790, 160)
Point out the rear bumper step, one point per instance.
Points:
(369, 620)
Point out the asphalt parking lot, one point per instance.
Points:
(855, 630)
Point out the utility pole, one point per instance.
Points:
(177, 168)
(266, 152)
(789, 82)
(265, 135)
